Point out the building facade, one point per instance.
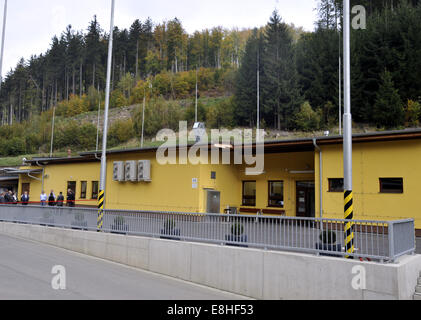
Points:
(386, 173)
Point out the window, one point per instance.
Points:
(95, 189)
(276, 194)
(391, 185)
(83, 187)
(249, 193)
(336, 185)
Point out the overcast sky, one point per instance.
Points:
(32, 23)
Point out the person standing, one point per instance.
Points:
(8, 197)
(2, 198)
(60, 200)
(25, 198)
(43, 198)
(70, 198)
(14, 198)
(52, 199)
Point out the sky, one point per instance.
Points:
(31, 24)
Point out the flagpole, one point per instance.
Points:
(101, 197)
(2, 42)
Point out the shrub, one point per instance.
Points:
(117, 99)
(32, 142)
(181, 86)
(75, 135)
(412, 113)
(307, 119)
(120, 131)
(90, 102)
(220, 114)
(13, 147)
(162, 84)
(159, 114)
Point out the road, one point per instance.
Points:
(26, 274)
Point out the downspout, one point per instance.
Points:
(320, 177)
(42, 179)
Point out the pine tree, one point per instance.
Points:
(246, 82)
(280, 91)
(388, 109)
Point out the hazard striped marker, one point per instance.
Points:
(349, 226)
(101, 210)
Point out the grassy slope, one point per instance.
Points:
(125, 113)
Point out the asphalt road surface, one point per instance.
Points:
(26, 274)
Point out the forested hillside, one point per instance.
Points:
(161, 62)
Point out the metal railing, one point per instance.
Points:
(374, 240)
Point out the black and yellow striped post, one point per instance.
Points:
(101, 210)
(349, 225)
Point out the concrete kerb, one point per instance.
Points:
(259, 274)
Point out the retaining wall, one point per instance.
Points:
(269, 275)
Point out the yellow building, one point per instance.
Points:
(386, 173)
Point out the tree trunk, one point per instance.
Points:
(93, 76)
(137, 59)
(55, 103)
(73, 81)
(124, 65)
(80, 80)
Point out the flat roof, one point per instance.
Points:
(14, 171)
(275, 146)
(84, 158)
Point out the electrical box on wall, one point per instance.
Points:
(144, 170)
(130, 171)
(118, 171)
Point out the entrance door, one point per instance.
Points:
(213, 204)
(306, 199)
(72, 186)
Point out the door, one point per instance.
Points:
(213, 204)
(26, 187)
(72, 186)
(306, 205)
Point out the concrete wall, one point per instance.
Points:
(258, 274)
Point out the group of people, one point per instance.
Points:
(58, 201)
(9, 197)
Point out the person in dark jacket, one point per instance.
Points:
(60, 200)
(25, 198)
(52, 199)
(8, 198)
(2, 198)
(70, 198)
